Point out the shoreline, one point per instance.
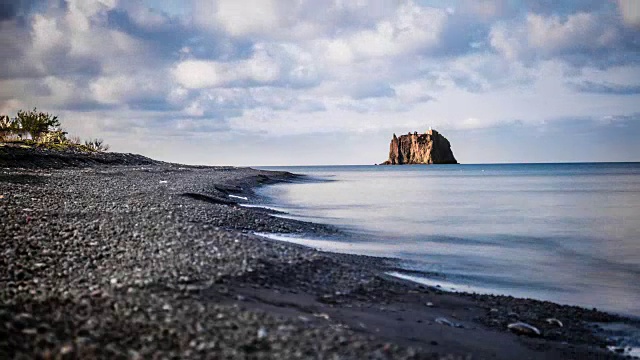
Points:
(393, 268)
(97, 258)
(408, 273)
(351, 235)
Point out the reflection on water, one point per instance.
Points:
(569, 233)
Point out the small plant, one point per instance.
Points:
(36, 123)
(96, 145)
(7, 127)
(58, 137)
(45, 133)
(74, 140)
(6, 123)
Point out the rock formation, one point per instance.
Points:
(427, 148)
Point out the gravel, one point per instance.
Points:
(110, 262)
(142, 259)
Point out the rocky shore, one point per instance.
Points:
(119, 256)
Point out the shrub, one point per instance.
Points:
(75, 140)
(45, 132)
(7, 126)
(6, 123)
(53, 137)
(36, 123)
(96, 145)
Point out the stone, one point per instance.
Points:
(554, 321)
(524, 329)
(445, 321)
(428, 148)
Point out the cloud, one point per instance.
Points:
(8, 11)
(579, 39)
(605, 88)
(13, 9)
(197, 74)
(630, 11)
(626, 120)
(300, 67)
(413, 28)
(289, 19)
(141, 91)
(577, 32)
(563, 139)
(245, 17)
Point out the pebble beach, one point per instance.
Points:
(120, 256)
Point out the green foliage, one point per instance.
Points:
(96, 145)
(36, 123)
(44, 131)
(53, 137)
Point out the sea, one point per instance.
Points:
(567, 233)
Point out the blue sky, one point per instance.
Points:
(283, 82)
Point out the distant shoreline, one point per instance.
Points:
(436, 165)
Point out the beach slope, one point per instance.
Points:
(120, 256)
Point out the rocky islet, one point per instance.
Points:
(426, 148)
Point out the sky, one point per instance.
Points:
(304, 82)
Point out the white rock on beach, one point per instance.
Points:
(444, 321)
(554, 321)
(524, 329)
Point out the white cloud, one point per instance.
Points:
(200, 74)
(90, 7)
(79, 38)
(145, 17)
(129, 88)
(304, 67)
(240, 18)
(62, 90)
(578, 31)
(46, 34)
(414, 91)
(411, 28)
(508, 42)
(277, 64)
(484, 9)
(261, 67)
(335, 51)
(194, 109)
(246, 17)
(630, 11)
(549, 36)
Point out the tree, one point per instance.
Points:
(36, 123)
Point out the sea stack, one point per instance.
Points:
(426, 148)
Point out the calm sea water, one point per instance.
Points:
(569, 233)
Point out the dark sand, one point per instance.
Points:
(118, 256)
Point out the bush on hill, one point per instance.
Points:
(36, 123)
(7, 127)
(96, 145)
(45, 132)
